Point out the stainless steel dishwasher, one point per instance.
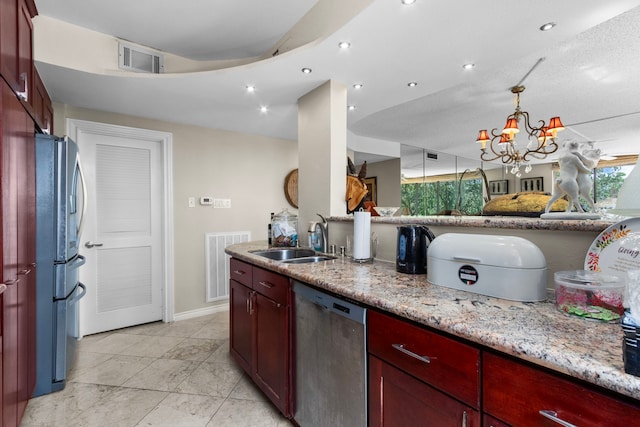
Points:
(331, 364)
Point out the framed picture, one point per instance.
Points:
(499, 187)
(532, 184)
(372, 186)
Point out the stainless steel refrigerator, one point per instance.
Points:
(59, 203)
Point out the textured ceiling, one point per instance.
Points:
(589, 76)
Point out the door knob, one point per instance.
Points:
(90, 244)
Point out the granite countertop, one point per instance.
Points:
(504, 222)
(536, 332)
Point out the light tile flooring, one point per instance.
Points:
(159, 374)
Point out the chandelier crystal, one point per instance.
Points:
(541, 139)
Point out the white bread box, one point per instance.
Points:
(506, 267)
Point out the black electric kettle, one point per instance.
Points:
(411, 253)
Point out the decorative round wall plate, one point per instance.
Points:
(291, 188)
(616, 250)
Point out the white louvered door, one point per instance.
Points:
(123, 234)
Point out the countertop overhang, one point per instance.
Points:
(535, 332)
(502, 222)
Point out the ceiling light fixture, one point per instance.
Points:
(407, 2)
(542, 139)
(306, 70)
(263, 109)
(412, 84)
(344, 45)
(351, 107)
(251, 88)
(357, 86)
(547, 26)
(469, 66)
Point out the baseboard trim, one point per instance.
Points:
(201, 312)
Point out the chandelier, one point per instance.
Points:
(541, 139)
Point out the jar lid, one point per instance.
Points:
(285, 214)
(587, 279)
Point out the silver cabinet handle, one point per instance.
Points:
(90, 244)
(238, 272)
(553, 416)
(11, 282)
(25, 94)
(400, 348)
(266, 284)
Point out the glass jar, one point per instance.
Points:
(284, 229)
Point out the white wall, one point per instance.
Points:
(248, 169)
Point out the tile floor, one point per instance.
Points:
(177, 374)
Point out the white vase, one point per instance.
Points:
(628, 203)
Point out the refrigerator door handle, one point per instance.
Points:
(84, 292)
(84, 198)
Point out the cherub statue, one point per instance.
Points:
(574, 180)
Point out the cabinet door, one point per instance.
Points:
(25, 52)
(271, 354)
(16, 55)
(516, 393)
(398, 399)
(12, 117)
(9, 43)
(25, 171)
(241, 325)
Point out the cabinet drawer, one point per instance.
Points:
(241, 272)
(445, 363)
(516, 392)
(398, 399)
(271, 285)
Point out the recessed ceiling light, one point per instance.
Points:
(251, 88)
(306, 70)
(344, 45)
(407, 2)
(351, 107)
(264, 109)
(547, 26)
(357, 86)
(469, 66)
(412, 84)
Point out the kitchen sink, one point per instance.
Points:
(315, 258)
(294, 255)
(285, 254)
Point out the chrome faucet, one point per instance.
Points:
(324, 230)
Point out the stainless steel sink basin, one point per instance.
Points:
(315, 258)
(286, 253)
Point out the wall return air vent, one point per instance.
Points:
(134, 58)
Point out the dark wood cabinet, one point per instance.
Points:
(18, 327)
(420, 377)
(16, 46)
(42, 109)
(18, 257)
(261, 329)
(398, 399)
(521, 394)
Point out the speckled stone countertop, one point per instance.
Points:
(507, 222)
(535, 332)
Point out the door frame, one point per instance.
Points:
(76, 127)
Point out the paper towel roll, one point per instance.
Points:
(361, 235)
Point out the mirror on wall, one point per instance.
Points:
(436, 183)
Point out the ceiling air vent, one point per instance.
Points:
(133, 58)
(432, 156)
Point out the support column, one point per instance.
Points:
(322, 154)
